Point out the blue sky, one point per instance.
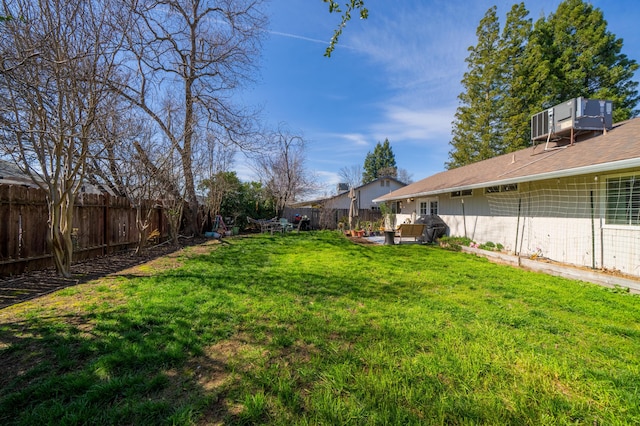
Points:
(395, 75)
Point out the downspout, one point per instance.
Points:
(464, 219)
(601, 227)
(515, 246)
(523, 225)
(593, 234)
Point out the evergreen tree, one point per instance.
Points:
(517, 87)
(476, 125)
(381, 160)
(523, 71)
(578, 56)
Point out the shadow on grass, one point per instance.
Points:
(235, 332)
(149, 362)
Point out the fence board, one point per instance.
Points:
(322, 218)
(101, 224)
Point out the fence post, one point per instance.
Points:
(105, 225)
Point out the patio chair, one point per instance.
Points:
(266, 225)
(285, 225)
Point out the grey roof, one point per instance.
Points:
(10, 174)
(344, 193)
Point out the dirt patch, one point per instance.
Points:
(34, 284)
(363, 241)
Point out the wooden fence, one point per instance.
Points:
(102, 224)
(322, 218)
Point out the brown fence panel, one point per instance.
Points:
(88, 226)
(33, 224)
(8, 228)
(102, 224)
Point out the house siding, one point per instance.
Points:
(559, 219)
(365, 194)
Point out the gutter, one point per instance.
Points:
(597, 168)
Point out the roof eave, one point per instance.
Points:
(596, 168)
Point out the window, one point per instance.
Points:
(430, 207)
(623, 201)
(433, 207)
(463, 193)
(501, 188)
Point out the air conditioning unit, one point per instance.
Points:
(574, 115)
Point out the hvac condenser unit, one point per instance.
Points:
(568, 117)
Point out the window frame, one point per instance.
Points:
(461, 193)
(632, 212)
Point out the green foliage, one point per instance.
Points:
(350, 6)
(380, 162)
(309, 328)
(475, 129)
(238, 200)
(525, 69)
(454, 243)
(578, 56)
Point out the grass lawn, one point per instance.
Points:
(312, 329)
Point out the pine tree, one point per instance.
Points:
(567, 55)
(476, 125)
(381, 160)
(517, 88)
(579, 57)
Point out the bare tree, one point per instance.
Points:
(219, 158)
(121, 166)
(404, 176)
(55, 59)
(282, 170)
(185, 59)
(351, 175)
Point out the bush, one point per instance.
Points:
(454, 243)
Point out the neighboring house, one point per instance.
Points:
(364, 195)
(10, 174)
(576, 203)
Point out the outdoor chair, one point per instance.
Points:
(285, 225)
(266, 225)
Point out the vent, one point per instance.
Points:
(575, 115)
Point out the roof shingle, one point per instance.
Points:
(621, 143)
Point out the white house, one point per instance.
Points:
(364, 195)
(573, 201)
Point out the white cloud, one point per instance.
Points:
(418, 43)
(329, 178)
(404, 123)
(356, 139)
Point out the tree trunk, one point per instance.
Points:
(59, 238)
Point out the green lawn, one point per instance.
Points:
(312, 329)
